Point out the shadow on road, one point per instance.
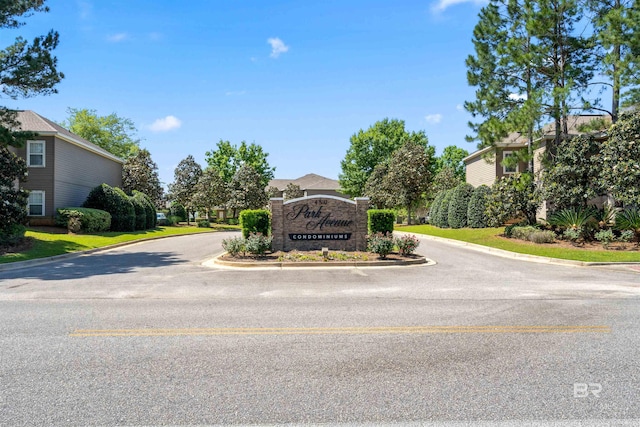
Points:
(96, 265)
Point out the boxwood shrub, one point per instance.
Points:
(442, 214)
(476, 213)
(435, 207)
(459, 205)
(117, 203)
(90, 220)
(255, 221)
(149, 209)
(380, 221)
(141, 214)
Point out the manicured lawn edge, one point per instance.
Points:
(490, 237)
(53, 244)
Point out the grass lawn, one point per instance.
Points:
(491, 237)
(50, 243)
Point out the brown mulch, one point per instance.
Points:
(275, 257)
(587, 246)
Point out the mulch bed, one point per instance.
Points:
(316, 256)
(587, 246)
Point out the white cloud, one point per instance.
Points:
(517, 97)
(460, 107)
(277, 47)
(166, 124)
(441, 5)
(433, 118)
(115, 38)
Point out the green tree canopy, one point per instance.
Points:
(293, 191)
(372, 147)
(621, 159)
(186, 177)
(140, 173)
(227, 159)
(246, 190)
(115, 134)
(210, 191)
(451, 157)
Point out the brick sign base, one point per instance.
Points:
(317, 222)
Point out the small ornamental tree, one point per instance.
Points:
(621, 159)
(13, 201)
(513, 196)
(442, 215)
(435, 207)
(210, 191)
(459, 205)
(293, 191)
(140, 173)
(476, 213)
(246, 190)
(186, 177)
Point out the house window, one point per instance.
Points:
(511, 168)
(35, 154)
(35, 206)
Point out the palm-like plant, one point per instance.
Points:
(575, 218)
(629, 219)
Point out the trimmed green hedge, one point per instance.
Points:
(441, 218)
(90, 220)
(435, 208)
(255, 221)
(141, 214)
(477, 211)
(149, 209)
(380, 221)
(459, 205)
(117, 203)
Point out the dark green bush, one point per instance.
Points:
(435, 207)
(258, 244)
(380, 243)
(459, 205)
(90, 220)
(141, 214)
(179, 211)
(381, 220)
(12, 234)
(232, 221)
(117, 203)
(203, 223)
(149, 209)
(442, 215)
(476, 213)
(255, 221)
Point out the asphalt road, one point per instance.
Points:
(148, 335)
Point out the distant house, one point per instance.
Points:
(62, 167)
(484, 166)
(311, 184)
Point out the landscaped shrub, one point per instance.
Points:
(12, 234)
(234, 246)
(542, 236)
(380, 220)
(178, 211)
(523, 233)
(116, 202)
(380, 243)
(574, 221)
(442, 216)
(255, 221)
(203, 223)
(629, 219)
(532, 234)
(513, 196)
(232, 221)
(459, 205)
(83, 219)
(605, 237)
(141, 214)
(258, 244)
(149, 209)
(407, 244)
(172, 220)
(476, 213)
(435, 207)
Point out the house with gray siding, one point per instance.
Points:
(311, 184)
(62, 167)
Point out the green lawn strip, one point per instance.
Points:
(491, 237)
(49, 244)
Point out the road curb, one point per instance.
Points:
(514, 255)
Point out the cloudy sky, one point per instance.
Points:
(297, 77)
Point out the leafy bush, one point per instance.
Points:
(203, 223)
(13, 201)
(532, 234)
(141, 214)
(149, 209)
(523, 233)
(380, 220)
(459, 205)
(508, 230)
(407, 244)
(605, 237)
(258, 244)
(626, 236)
(232, 221)
(12, 234)
(574, 221)
(178, 211)
(542, 236)
(83, 219)
(629, 219)
(116, 202)
(234, 246)
(572, 234)
(255, 221)
(476, 213)
(380, 243)
(435, 207)
(513, 196)
(620, 154)
(442, 215)
(172, 220)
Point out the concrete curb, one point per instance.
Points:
(214, 262)
(41, 261)
(514, 255)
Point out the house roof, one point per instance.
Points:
(519, 140)
(33, 122)
(310, 181)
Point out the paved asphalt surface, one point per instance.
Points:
(148, 335)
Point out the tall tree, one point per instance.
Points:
(210, 191)
(186, 177)
(26, 70)
(371, 147)
(140, 173)
(115, 134)
(452, 158)
(617, 29)
(292, 191)
(227, 159)
(246, 191)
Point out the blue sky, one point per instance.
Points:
(297, 77)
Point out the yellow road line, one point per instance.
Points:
(469, 329)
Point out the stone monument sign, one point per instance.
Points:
(318, 221)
